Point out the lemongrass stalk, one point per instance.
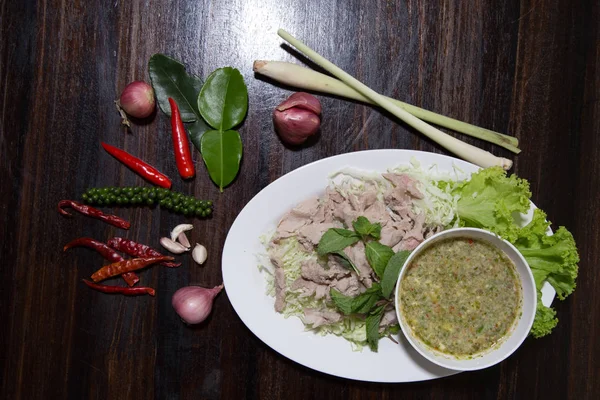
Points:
(308, 79)
(464, 150)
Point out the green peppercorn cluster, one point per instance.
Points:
(149, 196)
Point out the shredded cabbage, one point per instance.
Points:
(438, 204)
(350, 328)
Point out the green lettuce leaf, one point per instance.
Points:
(553, 258)
(545, 320)
(489, 199)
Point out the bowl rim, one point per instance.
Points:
(423, 349)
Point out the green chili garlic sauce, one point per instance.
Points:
(461, 296)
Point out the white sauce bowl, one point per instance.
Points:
(520, 329)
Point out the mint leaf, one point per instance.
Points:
(378, 256)
(342, 302)
(345, 261)
(392, 329)
(345, 233)
(361, 304)
(392, 270)
(365, 228)
(364, 302)
(372, 326)
(336, 239)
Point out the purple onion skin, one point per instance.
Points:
(297, 118)
(194, 303)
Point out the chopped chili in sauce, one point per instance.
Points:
(463, 298)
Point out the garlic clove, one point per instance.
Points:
(172, 246)
(180, 228)
(182, 238)
(199, 254)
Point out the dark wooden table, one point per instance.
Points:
(529, 68)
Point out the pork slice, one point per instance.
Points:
(402, 225)
(345, 213)
(353, 200)
(407, 243)
(348, 286)
(333, 195)
(276, 255)
(419, 220)
(312, 233)
(418, 229)
(400, 197)
(367, 198)
(402, 212)
(279, 289)
(390, 236)
(377, 212)
(410, 241)
(415, 235)
(328, 211)
(300, 215)
(432, 230)
(289, 225)
(318, 318)
(307, 208)
(356, 253)
(310, 288)
(363, 200)
(397, 198)
(389, 318)
(319, 216)
(335, 268)
(322, 291)
(313, 271)
(405, 183)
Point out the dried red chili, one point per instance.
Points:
(108, 253)
(140, 167)
(183, 157)
(92, 212)
(121, 267)
(133, 291)
(137, 250)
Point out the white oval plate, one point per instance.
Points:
(245, 284)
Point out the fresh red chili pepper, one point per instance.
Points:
(108, 253)
(92, 212)
(129, 291)
(183, 157)
(137, 250)
(140, 167)
(121, 267)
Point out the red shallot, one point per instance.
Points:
(137, 100)
(297, 118)
(194, 303)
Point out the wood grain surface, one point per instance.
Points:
(527, 68)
